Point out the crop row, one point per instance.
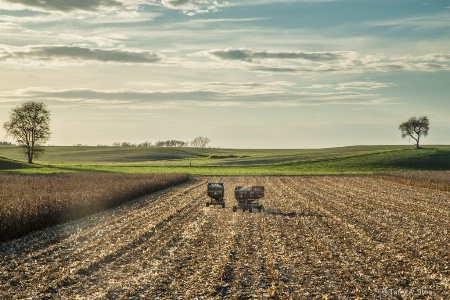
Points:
(327, 237)
(439, 180)
(32, 202)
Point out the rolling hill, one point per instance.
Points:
(217, 161)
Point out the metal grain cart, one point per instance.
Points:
(215, 192)
(247, 198)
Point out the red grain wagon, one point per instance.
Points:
(247, 198)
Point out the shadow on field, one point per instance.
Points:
(420, 159)
(9, 164)
(292, 213)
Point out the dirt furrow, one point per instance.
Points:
(76, 237)
(150, 239)
(420, 201)
(413, 229)
(111, 239)
(336, 237)
(359, 246)
(322, 269)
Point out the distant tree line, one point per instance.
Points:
(171, 143)
(5, 143)
(198, 142)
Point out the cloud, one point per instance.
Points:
(421, 22)
(175, 3)
(193, 7)
(188, 7)
(293, 62)
(66, 6)
(250, 55)
(408, 66)
(189, 95)
(285, 61)
(355, 85)
(437, 57)
(207, 22)
(275, 70)
(271, 2)
(48, 53)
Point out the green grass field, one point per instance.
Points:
(216, 161)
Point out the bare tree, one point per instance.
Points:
(200, 142)
(415, 128)
(29, 125)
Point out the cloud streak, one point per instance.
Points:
(67, 6)
(48, 53)
(188, 7)
(250, 55)
(193, 7)
(269, 62)
(292, 62)
(422, 22)
(213, 94)
(355, 85)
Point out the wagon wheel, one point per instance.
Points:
(234, 208)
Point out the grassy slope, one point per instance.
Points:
(211, 161)
(10, 164)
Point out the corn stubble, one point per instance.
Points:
(439, 180)
(334, 237)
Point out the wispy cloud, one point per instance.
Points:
(251, 55)
(189, 7)
(48, 53)
(192, 7)
(355, 85)
(268, 2)
(224, 88)
(269, 62)
(422, 22)
(66, 6)
(188, 95)
(110, 40)
(341, 61)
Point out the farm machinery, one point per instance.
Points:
(247, 198)
(215, 192)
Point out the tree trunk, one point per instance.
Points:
(30, 155)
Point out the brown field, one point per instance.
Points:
(31, 202)
(328, 237)
(439, 180)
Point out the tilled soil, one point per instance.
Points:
(328, 237)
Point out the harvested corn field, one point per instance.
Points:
(439, 180)
(32, 202)
(330, 237)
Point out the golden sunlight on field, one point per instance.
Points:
(32, 202)
(329, 237)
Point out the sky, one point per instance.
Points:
(245, 74)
